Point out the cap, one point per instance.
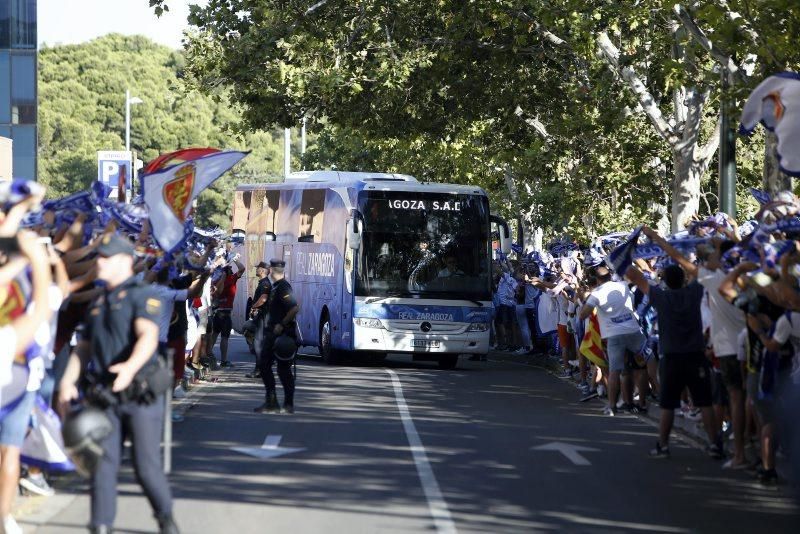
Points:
(113, 244)
(262, 265)
(277, 263)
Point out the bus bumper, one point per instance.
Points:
(382, 340)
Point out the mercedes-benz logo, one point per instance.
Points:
(425, 326)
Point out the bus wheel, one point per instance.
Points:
(325, 347)
(449, 361)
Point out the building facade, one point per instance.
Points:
(18, 91)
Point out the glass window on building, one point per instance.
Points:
(5, 87)
(23, 88)
(18, 24)
(24, 137)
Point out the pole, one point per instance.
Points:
(303, 138)
(287, 152)
(727, 154)
(127, 119)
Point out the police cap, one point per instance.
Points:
(277, 263)
(262, 265)
(113, 244)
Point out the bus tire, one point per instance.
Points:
(326, 350)
(449, 361)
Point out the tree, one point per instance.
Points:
(82, 110)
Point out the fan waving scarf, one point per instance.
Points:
(775, 103)
(169, 190)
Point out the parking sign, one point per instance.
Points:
(113, 167)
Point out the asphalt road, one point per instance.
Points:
(406, 447)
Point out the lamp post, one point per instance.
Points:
(128, 103)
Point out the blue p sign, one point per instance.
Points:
(113, 165)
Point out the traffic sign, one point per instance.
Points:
(114, 168)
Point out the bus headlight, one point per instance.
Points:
(478, 327)
(368, 323)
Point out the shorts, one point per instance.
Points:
(731, 369)
(679, 371)
(14, 426)
(222, 323)
(202, 321)
(505, 315)
(617, 346)
(564, 337)
(719, 393)
(768, 410)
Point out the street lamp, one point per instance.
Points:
(128, 103)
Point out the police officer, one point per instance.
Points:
(121, 338)
(282, 308)
(258, 310)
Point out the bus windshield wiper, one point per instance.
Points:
(389, 296)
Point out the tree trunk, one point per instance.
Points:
(774, 180)
(685, 188)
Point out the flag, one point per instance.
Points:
(179, 156)
(622, 256)
(762, 196)
(168, 192)
(592, 344)
(775, 104)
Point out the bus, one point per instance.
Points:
(380, 263)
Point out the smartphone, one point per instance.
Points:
(9, 245)
(761, 279)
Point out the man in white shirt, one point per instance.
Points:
(619, 327)
(726, 322)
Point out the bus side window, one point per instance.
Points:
(311, 215)
(348, 269)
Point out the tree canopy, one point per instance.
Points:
(82, 110)
(477, 92)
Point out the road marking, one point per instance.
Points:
(572, 452)
(436, 503)
(270, 449)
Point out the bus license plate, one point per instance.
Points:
(425, 343)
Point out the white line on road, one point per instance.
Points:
(436, 503)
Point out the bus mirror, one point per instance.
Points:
(270, 236)
(354, 234)
(505, 240)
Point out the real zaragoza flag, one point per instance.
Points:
(170, 189)
(592, 344)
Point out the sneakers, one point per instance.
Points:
(36, 483)
(565, 373)
(767, 476)
(609, 411)
(730, 465)
(693, 415)
(288, 408)
(659, 452)
(635, 408)
(589, 395)
(225, 363)
(521, 350)
(715, 451)
(255, 373)
(601, 391)
(270, 406)
(179, 393)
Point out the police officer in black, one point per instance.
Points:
(121, 338)
(258, 310)
(282, 309)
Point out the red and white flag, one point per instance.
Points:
(172, 181)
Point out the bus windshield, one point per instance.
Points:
(428, 245)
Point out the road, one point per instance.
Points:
(405, 447)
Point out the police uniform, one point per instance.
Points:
(281, 300)
(111, 335)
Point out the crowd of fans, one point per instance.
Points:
(705, 323)
(48, 279)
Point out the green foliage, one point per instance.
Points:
(82, 110)
(447, 90)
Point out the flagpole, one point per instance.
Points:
(287, 152)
